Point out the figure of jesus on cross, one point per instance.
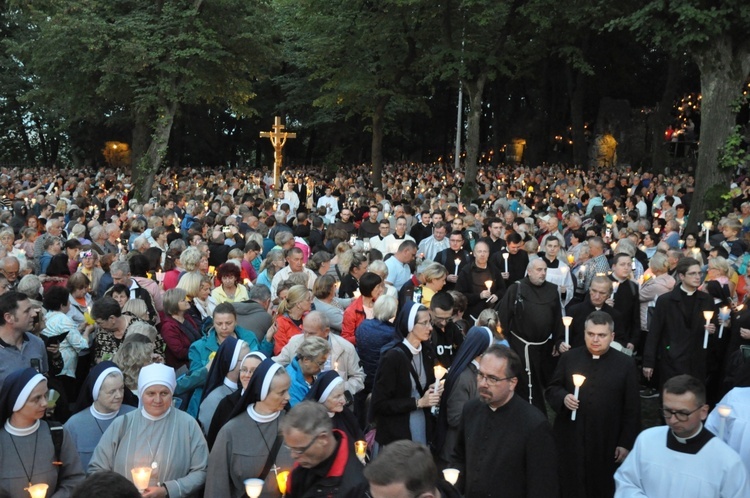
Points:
(278, 139)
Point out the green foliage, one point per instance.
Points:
(718, 202)
(734, 153)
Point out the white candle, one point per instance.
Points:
(505, 257)
(440, 372)
(567, 320)
(253, 487)
(38, 490)
(160, 276)
(456, 262)
(141, 477)
(723, 316)
(488, 284)
(707, 225)
(724, 412)
(451, 475)
(708, 315)
(578, 382)
(360, 448)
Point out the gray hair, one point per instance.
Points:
(385, 308)
(120, 266)
(312, 347)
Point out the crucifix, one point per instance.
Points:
(278, 139)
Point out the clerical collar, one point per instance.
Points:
(261, 419)
(690, 445)
(475, 363)
(231, 385)
(414, 351)
(102, 416)
(15, 431)
(682, 288)
(152, 418)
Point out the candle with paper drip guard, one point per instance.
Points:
(141, 477)
(488, 284)
(253, 487)
(571, 259)
(707, 225)
(578, 382)
(360, 448)
(708, 315)
(440, 372)
(281, 478)
(724, 412)
(505, 257)
(38, 490)
(451, 475)
(456, 262)
(615, 286)
(723, 317)
(567, 320)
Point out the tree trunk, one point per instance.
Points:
(576, 92)
(661, 117)
(475, 91)
(723, 69)
(149, 161)
(377, 142)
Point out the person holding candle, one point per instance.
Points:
(675, 340)
(356, 266)
(607, 411)
(326, 464)
(596, 300)
(502, 438)
(460, 387)
(682, 458)
(230, 290)
(517, 260)
(472, 281)
(432, 245)
(29, 446)
(626, 300)
(454, 258)
(558, 272)
(156, 435)
(250, 445)
(403, 391)
(100, 402)
(730, 420)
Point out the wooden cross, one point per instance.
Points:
(278, 139)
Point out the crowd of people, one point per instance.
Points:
(228, 329)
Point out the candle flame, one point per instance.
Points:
(578, 380)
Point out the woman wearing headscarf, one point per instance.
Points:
(250, 444)
(328, 390)
(460, 387)
(248, 365)
(100, 402)
(403, 391)
(222, 378)
(28, 449)
(157, 436)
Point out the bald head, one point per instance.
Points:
(316, 324)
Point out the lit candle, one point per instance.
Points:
(253, 487)
(451, 475)
(141, 477)
(440, 372)
(708, 315)
(571, 259)
(336, 365)
(356, 293)
(38, 490)
(211, 270)
(488, 284)
(505, 257)
(160, 276)
(707, 225)
(281, 478)
(246, 282)
(615, 286)
(567, 320)
(457, 262)
(681, 243)
(724, 412)
(367, 245)
(578, 382)
(360, 448)
(723, 316)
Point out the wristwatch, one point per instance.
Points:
(161, 484)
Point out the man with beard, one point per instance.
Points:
(530, 313)
(607, 411)
(504, 446)
(369, 226)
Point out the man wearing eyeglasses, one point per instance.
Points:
(675, 341)
(326, 462)
(504, 445)
(607, 409)
(682, 459)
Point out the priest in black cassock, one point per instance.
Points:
(518, 259)
(599, 290)
(592, 446)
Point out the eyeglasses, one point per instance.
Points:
(301, 451)
(680, 416)
(491, 379)
(424, 323)
(438, 319)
